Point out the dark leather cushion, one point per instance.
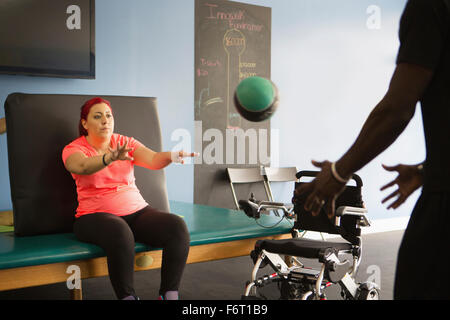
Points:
(39, 127)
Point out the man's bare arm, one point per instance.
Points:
(388, 119)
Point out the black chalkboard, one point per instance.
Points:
(232, 42)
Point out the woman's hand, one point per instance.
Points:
(120, 153)
(178, 156)
(409, 179)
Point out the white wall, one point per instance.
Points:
(330, 68)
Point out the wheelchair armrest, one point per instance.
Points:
(287, 208)
(358, 213)
(270, 203)
(253, 209)
(250, 208)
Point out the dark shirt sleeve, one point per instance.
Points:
(422, 33)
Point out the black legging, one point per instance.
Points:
(117, 235)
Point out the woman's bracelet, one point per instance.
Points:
(336, 174)
(104, 162)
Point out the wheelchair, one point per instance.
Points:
(294, 280)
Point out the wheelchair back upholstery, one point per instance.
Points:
(351, 196)
(39, 126)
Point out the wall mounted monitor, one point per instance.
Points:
(54, 38)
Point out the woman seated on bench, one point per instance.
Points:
(111, 212)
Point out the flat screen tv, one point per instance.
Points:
(53, 38)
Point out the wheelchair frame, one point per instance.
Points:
(299, 282)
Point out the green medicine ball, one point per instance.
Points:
(256, 99)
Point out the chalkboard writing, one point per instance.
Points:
(232, 42)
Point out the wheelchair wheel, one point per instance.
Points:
(308, 296)
(368, 291)
(295, 291)
(373, 294)
(267, 291)
(288, 291)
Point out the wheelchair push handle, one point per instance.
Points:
(313, 174)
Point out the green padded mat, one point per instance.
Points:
(206, 225)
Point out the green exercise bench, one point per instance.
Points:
(216, 233)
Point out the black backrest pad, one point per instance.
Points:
(39, 127)
(351, 196)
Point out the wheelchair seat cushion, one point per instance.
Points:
(299, 247)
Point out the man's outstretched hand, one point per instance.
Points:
(408, 180)
(323, 190)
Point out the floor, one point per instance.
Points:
(225, 279)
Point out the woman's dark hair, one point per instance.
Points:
(85, 111)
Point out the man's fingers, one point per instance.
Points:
(307, 188)
(329, 209)
(390, 168)
(313, 203)
(304, 188)
(309, 202)
(397, 203)
(393, 194)
(388, 185)
(314, 206)
(317, 205)
(317, 163)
